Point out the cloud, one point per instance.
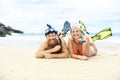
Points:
(33, 15)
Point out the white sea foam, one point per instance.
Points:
(110, 44)
(38, 39)
(22, 40)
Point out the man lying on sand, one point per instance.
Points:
(53, 47)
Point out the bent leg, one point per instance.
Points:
(86, 46)
(92, 51)
(88, 49)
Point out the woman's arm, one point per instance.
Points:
(72, 53)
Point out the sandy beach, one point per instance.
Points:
(25, 23)
(19, 63)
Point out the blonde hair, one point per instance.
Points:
(78, 29)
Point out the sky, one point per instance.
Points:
(31, 16)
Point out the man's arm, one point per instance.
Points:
(41, 51)
(63, 54)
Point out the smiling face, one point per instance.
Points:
(52, 39)
(76, 33)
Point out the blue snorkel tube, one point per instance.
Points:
(50, 30)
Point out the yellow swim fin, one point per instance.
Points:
(82, 26)
(103, 34)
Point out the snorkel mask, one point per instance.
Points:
(50, 30)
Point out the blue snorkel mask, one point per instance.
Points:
(50, 30)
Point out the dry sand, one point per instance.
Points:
(19, 63)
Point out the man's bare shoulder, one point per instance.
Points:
(63, 41)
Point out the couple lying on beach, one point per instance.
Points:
(78, 46)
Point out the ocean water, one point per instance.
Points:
(35, 39)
